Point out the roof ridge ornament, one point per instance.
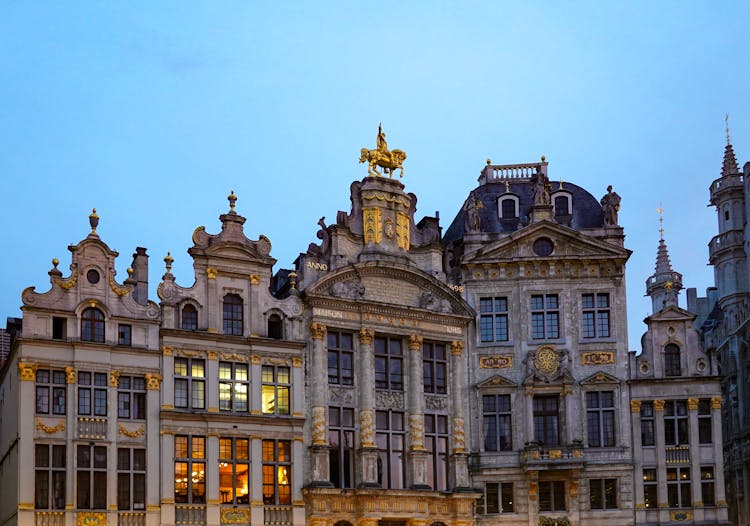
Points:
(388, 160)
(94, 222)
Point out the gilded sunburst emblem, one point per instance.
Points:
(547, 361)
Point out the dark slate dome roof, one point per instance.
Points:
(587, 212)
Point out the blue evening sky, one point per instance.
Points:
(153, 111)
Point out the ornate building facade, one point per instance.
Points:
(395, 377)
(724, 324)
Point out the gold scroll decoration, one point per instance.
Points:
(499, 361)
(598, 358)
(373, 227)
(402, 230)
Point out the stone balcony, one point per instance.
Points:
(725, 241)
(726, 184)
(537, 457)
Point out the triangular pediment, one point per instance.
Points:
(496, 380)
(566, 244)
(600, 378)
(394, 285)
(672, 313)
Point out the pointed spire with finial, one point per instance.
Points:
(665, 284)
(729, 166)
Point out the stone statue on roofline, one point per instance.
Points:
(388, 160)
(610, 206)
(541, 188)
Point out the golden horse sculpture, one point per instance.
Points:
(388, 160)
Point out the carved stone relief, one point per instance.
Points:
(389, 400)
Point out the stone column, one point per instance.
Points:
(167, 367)
(635, 422)
(153, 456)
(167, 478)
(212, 374)
(26, 453)
(298, 503)
(256, 380)
(213, 309)
(256, 481)
(695, 453)
(319, 400)
(368, 451)
(718, 453)
(417, 455)
(529, 400)
(212, 479)
(460, 398)
(661, 461)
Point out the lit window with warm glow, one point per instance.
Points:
(275, 390)
(277, 472)
(234, 471)
(190, 469)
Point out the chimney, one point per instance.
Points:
(140, 275)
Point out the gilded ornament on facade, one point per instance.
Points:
(296, 361)
(254, 279)
(459, 438)
(235, 516)
(27, 371)
(388, 229)
(402, 230)
(91, 519)
(499, 361)
(366, 336)
(317, 331)
(367, 428)
(598, 358)
(114, 378)
(40, 426)
(547, 360)
(70, 375)
(416, 431)
(635, 406)
(153, 381)
(319, 426)
(372, 225)
(692, 404)
(67, 284)
(117, 289)
(388, 160)
(137, 432)
(658, 405)
(716, 402)
(212, 355)
(457, 347)
(415, 342)
(211, 273)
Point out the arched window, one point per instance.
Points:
(561, 205)
(232, 317)
(672, 365)
(509, 207)
(189, 317)
(275, 327)
(92, 325)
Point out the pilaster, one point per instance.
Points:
(459, 395)
(368, 452)
(661, 464)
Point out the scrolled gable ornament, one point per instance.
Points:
(388, 160)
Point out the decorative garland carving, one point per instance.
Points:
(140, 431)
(116, 288)
(50, 430)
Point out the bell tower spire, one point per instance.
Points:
(664, 284)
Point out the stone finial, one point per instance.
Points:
(168, 260)
(232, 198)
(55, 271)
(93, 221)
(293, 282)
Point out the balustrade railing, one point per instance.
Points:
(501, 172)
(277, 515)
(49, 518)
(89, 427)
(187, 515)
(131, 518)
(678, 455)
(725, 239)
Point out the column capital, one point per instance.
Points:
(153, 381)
(716, 402)
(658, 405)
(114, 378)
(415, 342)
(635, 406)
(692, 404)
(457, 347)
(366, 336)
(70, 375)
(318, 330)
(27, 371)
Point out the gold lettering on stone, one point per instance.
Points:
(598, 358)
(500, 361)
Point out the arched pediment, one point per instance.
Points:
(394, 285)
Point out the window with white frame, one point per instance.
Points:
(545, 317)
(92, 393)
(595, 315)
(131, 478)
(234, 470)
(277, 472)
(50, 391)
(189, 469)
(493, 319)
(189, 383)
(234, 386)
(275, 390)
(131, 398)
(508, 207)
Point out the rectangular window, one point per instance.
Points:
(341, 440)
(436, 444)
(234, 386)
(603, 494)
(600, 418)
(390, 435)
(49, 477)
(705, 429)
(59, 328)
(675, 423)
(551, 495)
(648, 432)
(546, 420)
(389, 364)
(189, 383)
(275, 390)
(493, 319)
(708, 494)
(234, 470)
(131, 479)
(678, 488)
(497, 422)
(340, 358)
(595, 315)
(190, 469)
(131, 398)
(435, 368)
(545, 317)
(277, 472)
(497, 498)
(650, 488)
(50, 392)
(92, 393)
(124, 334)
(91, 477)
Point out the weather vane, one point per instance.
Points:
(660, 211)
(726, 121)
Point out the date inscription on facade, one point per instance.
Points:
(500, 361)
(597, 358)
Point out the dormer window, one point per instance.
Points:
(232, 317)
(563, 204)
(189, 317)
(275, 327)
(92, 325)
(508, 207)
